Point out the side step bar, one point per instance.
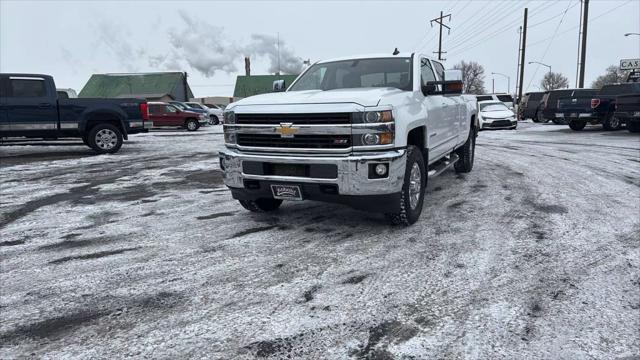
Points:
(442, 165)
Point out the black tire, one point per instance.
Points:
(410, 206)
(261, 205)
(192, 125)
(466, 155)
(214, 120)
(540, 117)
(105, 138)
(577, 125)
(611, 123)
(634, 126)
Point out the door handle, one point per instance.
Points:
(44, 105)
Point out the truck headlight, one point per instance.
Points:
(378, 116)
(377, 139)
(229, 117)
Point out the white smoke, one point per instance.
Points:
(205, 48)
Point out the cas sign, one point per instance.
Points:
(629, 64)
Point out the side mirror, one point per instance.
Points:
(429, 89)
(279, 86)
(453, 87)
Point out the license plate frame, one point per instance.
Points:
(286, 192)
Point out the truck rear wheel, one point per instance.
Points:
(261, 205)
(105, 139)
(577, 125)
(413, 189)
(611, 123)
(466, 155)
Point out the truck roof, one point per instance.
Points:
(25, 75)
(368, 56)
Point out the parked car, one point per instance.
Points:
(364, 131)
(504, 98)
(496, 115)
(183, 106)
(30, 107)
(66, 93)
(628, 110)
(601, 108)
(166, 114)
(215, 114)
(529, 105)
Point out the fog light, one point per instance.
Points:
(371, 139)
(381, 169)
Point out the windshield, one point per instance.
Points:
(179, 105)
(359, 73)
(195, 106)
(505, 98)
(493, 107)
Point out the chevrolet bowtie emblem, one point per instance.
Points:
(286, 130)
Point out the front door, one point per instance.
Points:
(171, 116)
(29, 106)
(436, 116)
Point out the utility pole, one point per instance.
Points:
(524, 47)
(583, 60)
(579, 38)
(493, 85)
(518, 67)
(438, 21)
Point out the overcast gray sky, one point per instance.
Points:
(73, 39)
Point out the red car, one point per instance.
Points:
(164, 114)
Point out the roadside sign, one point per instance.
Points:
(634, 76)
(629, 64)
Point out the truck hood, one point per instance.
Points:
(360, 96)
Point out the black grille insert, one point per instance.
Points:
(301, 119)
(298, 141)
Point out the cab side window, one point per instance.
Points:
(439, 70)
(154, 110)
(170, 109)
(426, 72)
(25, 88)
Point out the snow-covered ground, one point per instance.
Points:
(534, 254)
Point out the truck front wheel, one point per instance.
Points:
(192, 125)
(105, 139)
(633, 126)
(413, 189)
(466, 154)
(261, 205)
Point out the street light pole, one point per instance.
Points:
(508, 80)
(537, 62)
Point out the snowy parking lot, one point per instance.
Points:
(534, 254)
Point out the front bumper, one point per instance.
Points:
(499, 124)
(352, 176)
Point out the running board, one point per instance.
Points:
(442, 165)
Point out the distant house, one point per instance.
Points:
(258, 84)
(160, 86)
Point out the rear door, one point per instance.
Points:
(29, 105)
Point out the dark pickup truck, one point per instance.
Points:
(628, 110)
(597, 109)
(30, 107)
(529, 106)
(554, 99)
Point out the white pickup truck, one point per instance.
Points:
(366, 131)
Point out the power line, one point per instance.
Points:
(549, 45)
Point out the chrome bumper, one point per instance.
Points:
(353, 170)
(148, 124)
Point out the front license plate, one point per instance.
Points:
(286, 192)
(637, 113)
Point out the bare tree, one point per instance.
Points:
(553, 81)
(472, 75)
(612, 75)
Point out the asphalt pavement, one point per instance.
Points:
(534, 254)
